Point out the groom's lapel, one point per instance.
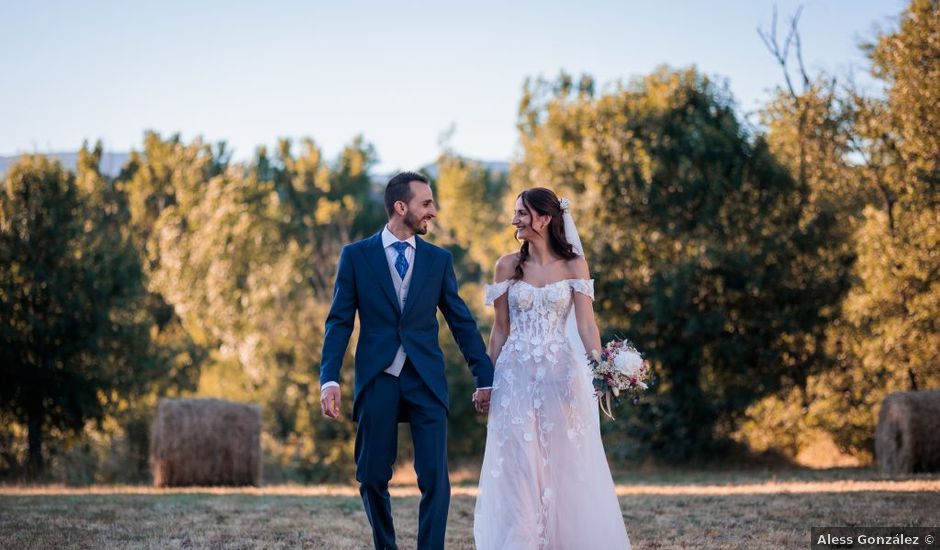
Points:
(418, 274)
(378, 261)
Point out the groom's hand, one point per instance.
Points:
(481, 401)
(329, 401)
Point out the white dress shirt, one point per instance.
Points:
(402, 284)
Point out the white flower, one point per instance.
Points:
(564, 203)
(628, 363)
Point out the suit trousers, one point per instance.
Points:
(384, 401)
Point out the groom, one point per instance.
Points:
(397, 282)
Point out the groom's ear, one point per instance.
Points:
(400, 207)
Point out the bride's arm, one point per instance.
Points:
(500, 330)
(584, 309)
(505, 268)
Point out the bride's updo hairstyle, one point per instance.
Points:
(542, 201)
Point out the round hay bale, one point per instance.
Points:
(205, 442)
(907, 439)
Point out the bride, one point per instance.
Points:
(545, 482)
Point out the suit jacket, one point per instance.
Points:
(364, 284)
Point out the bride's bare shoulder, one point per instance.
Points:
(506, 266)
(578, 268)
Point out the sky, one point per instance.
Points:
(400, 73)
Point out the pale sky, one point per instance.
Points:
(399, 73)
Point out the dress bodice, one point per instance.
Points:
(538, 314)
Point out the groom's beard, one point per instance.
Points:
(414, 223)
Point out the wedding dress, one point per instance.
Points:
(545, 482)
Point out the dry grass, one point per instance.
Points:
(662, 510)
(205, 442)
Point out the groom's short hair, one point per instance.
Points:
(399, 189)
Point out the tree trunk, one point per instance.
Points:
(912, 378)
(35, 466)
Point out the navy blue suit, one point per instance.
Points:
(419, 394)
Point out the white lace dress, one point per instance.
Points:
(545, 482)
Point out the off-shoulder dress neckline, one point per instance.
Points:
(549, 284)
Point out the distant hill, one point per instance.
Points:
(111, 163)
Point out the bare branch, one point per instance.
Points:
(780, 53)
(795, 34)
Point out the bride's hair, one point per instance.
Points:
(542, 201)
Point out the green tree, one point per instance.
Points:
(476, 209)
(872, 160)
(705, 250)
(246, 257)
(74, 335)
(474, 225)
(889, 339)
(809, 128)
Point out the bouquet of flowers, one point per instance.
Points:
(618, 369)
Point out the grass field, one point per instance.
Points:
(690, 509)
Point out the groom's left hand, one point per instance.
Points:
(481, 401)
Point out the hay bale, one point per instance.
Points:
(205, 442)
(907, 439)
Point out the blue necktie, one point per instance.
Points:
(401, 263)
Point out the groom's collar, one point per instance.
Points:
(388, 238)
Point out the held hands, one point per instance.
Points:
(481, 401)
(329, 402)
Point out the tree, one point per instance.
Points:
(808, 124)
(476, 209)
(474, 225)
(247, 261)
(74, 336)
(872, 161)
(704, 249)
(890, 338)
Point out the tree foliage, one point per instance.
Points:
(706, 250)
(75, 334)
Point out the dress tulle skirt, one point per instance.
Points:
(545, 482)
